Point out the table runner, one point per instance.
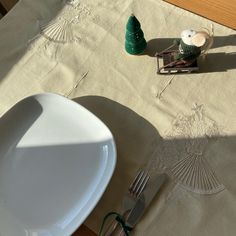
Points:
(156, 120)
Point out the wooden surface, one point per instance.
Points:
(3, 11)
(84, 231)
(220, 11)
(8, 4)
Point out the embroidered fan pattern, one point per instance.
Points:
(59, 31)
(184, 152)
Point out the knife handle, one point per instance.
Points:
(116, 225)
(117, 230)
(111, 228)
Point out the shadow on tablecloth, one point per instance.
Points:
(159, 44)
(138, 141)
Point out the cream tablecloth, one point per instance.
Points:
(156, 120)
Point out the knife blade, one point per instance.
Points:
(146, 198)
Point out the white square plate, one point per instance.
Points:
(56, 159)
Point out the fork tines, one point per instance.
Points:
(139, 183)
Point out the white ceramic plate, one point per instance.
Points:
(56, 159)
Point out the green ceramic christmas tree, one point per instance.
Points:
(135, 42)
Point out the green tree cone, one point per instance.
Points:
(135, 42)
(136, 49)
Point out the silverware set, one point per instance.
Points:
(139, 196)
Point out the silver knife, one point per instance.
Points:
(144, 201)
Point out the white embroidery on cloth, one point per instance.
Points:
(183, 152)
(60, 30)
(76, 84)
(159, 94)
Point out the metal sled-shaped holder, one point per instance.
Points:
(166, 64)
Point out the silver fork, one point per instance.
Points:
(135, 190)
